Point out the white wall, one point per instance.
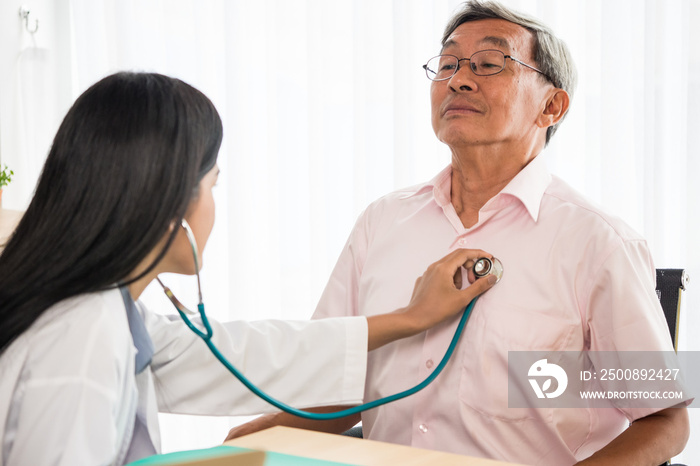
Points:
(629, 143)
(35, 90)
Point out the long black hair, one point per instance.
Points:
(124, 165)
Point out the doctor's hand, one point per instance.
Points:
(437, 296)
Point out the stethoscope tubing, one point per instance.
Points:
(206, 337)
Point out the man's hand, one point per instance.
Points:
(257, 424)
(651, 440)
(335, 426)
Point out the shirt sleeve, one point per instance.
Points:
(624, 313)
(302, 364)
(341, 295)
(625, 317)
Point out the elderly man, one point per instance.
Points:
(576, 279)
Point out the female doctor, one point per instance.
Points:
(84, 367)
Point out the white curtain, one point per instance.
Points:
(325, 108)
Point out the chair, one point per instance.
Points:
(669, 285)
(354, 432)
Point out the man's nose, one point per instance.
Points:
(463, 79)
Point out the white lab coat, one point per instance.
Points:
(69, 395)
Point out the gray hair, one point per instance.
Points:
(550, 53)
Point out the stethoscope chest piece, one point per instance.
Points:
(485, 266)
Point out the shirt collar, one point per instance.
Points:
(139, 333)
(440, 185)
(528, 186)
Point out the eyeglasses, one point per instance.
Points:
(482, 63)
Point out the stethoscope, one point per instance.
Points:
(482, 268)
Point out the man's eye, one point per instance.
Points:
(447, 67)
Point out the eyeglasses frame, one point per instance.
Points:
(459, 66)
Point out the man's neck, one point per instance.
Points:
(478, 175)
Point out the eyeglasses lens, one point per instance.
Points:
(483, 63)
(487, 62)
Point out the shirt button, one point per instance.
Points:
(462, 242)
(423, 428)
(429, 363)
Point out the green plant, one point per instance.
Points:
(5, 176)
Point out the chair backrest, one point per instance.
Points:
(669, 285)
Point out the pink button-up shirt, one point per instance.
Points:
(574, 279)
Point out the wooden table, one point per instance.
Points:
(330, 447)
(8, 221)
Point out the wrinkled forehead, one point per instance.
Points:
(499, 34)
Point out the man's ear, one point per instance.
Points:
(555, 108)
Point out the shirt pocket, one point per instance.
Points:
(493, 332)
